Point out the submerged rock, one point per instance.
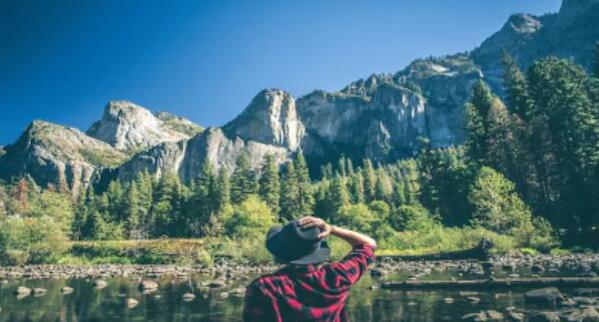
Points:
(548, 295)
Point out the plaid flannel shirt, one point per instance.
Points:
(306, 293)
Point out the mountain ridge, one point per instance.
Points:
(380, 117)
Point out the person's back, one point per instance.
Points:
(306, 289)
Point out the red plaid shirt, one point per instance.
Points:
(306, 293)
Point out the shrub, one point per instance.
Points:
(250, 219)
(412, 218)
(30, 240)
(497, 206)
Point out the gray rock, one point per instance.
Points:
(481, 316)
(22, 290)
(188, 297)
(131, 303)
(515, 316)
(66, 290)
(100, 284)
(148, 286)
(494, 315)
(549, 295)
(544, 317)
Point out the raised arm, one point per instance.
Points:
(351, 237)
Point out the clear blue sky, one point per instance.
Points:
(62, 61)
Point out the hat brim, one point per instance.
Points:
(321, 254)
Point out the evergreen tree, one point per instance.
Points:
(569, 121)
(80, 216)
(133, 213)
(306, 197)
(145, 191)
(337, 195)
(270, 183)
(290, 194)
(369, 177)
(383, 188)
(243, 180)
(356, 187)
(342, 166)
(516, 87)
(476, 114)
(223, 189)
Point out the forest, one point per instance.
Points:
(527, 177)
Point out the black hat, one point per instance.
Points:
(296, 245)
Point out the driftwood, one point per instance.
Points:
(480, 252)
(495, 283)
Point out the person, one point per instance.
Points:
(307, 288)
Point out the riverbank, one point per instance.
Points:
(514, 266)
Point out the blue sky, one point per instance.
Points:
(62, 61)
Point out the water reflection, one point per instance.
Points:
(109, 304)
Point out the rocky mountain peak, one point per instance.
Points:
(130, 127)
(271, 118)
(523, 23)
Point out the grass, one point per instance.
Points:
(206, 251)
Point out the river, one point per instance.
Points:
(366, 303)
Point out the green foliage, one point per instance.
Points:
(243, 180)
(270, 183)
(412, 218)
(496, 204)
(250, 219)
(30, 240)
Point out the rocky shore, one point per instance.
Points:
(225, 271)
(579, 265)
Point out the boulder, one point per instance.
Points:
(548, 295)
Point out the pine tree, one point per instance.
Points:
(516, 87)
(369, 177)
(476, 114)
(133, 212)
(383, 188)
(337, 195)
(356, 187)
(145, 191)
(223, 189)
(270, 183)
(243, 180)
(566, 117)
(306, 197)
(290, 194)
(80, 216)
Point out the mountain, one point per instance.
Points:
(570, 33)
(130, 127)
(268, 125)
(58, 155)
(381, 117)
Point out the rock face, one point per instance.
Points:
(571, 33)
(271, 118)
(390, 112)
(53, 154)
(185, 158)
(130, 127)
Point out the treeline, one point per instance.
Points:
(528, 165)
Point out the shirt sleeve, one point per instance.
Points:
(254, 305)
(349, 270)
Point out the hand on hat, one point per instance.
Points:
(309, 222)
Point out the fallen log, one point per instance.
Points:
(494, 283)
(480, 252)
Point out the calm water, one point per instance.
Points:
(88, 304)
